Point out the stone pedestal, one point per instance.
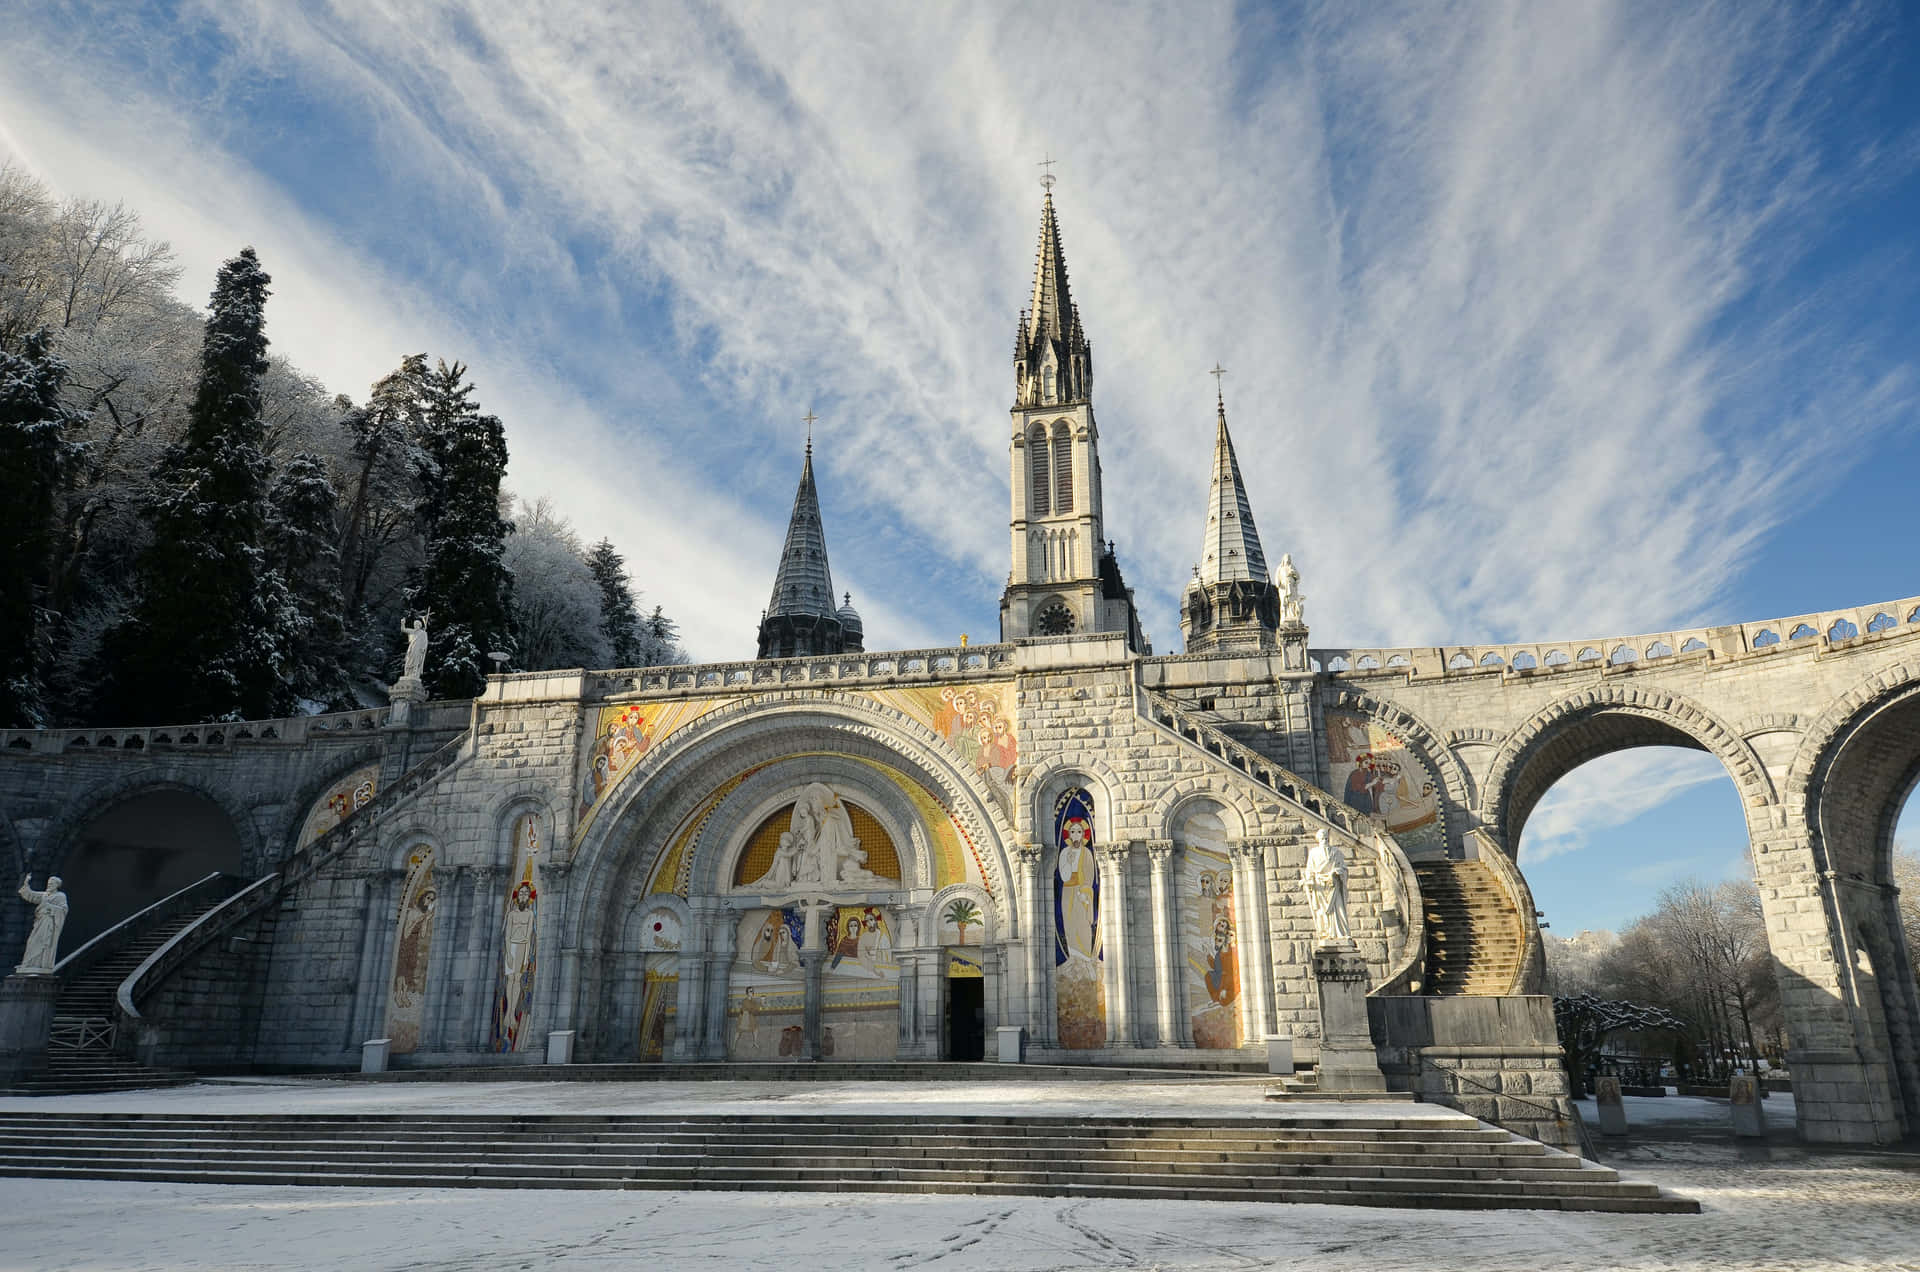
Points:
(1280, 1052)
(1008, 1040)
(374, 1054)
(560, 1047)
(1347, 1058)
(1743, 1102)
(1613, 1112)
(405, 694)
(26, 1019)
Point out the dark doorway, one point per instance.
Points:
(139, 851)
(966, 1018)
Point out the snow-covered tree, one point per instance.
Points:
(302, 535)
(35, 443)
(463, 582)
(619, 620)
(660, 640)
(203, 640)
(557, 618)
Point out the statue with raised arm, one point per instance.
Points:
(49, 916)
(1327, 890)
(416, 633)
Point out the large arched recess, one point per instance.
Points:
(138, 847)
(1856, 770)
(614, 859)
(1560, 738)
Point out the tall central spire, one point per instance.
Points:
(1230, 603)
(1052, 361)
(801, 618)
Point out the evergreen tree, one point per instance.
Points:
(619, 620)
(33, 450)
(384, 439)
(464, 583)
(203, 639)
(302, 530)
(660, 640)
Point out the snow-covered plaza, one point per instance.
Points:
(1772, 1206)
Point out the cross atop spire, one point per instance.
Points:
(1046, 176)
(1218, 373)
(810, 417)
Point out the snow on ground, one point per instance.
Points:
(1769, 1207)
(1688, 1110)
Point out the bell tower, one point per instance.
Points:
(1065, 578)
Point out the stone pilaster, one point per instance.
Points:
(1166, 929)
(1115, 940)
(1256, 973)
(1028, 860)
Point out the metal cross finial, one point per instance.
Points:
(1217, 372)
(810, 417)
(1046, 176)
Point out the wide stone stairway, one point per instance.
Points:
(1474, 937)
(1444, 1160)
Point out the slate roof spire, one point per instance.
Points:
(802, 620)
(1232, 548)
(804, 583)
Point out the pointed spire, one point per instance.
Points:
(1053, 361)
(804, 585)
(1232, 548)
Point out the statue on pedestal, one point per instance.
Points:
(416, 634)
(1293, 602)
(49, 916)
(1327, 889)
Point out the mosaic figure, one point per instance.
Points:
(419, 899)
(1079, 987)
(519, 946)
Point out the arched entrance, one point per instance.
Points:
(810, 844)
(138, 850)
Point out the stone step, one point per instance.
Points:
(1450, 1160)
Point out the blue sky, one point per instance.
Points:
(1541, 320)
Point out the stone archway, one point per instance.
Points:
(138, 848)
(687, 810)
(1853, 774)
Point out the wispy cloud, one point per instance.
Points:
(1608, 793)
(1505, 291)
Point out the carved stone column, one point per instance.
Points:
(907, 1039)
(1260, 854)
(1166, 943)
(690, 995)
(718, 959)
(1114, 934)
(1039, 934)
(1248, 897)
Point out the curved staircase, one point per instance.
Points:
(1475, 940)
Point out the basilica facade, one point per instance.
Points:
(1108, 856)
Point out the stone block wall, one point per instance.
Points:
(1497, 1059)
(208, 1016)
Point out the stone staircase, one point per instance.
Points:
(1475, 942)
(1449, 1161)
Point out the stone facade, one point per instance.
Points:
(889, 855)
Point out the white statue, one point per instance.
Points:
(416, 633)
(820, 848)
(1327, 889)
(1292, 601)
(49, 916)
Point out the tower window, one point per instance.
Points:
(1054, 619)
(1047, 377)
(1062, 469)
(1037, 447)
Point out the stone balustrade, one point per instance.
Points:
(954, 662)
(1533, 658)
(292, 731)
